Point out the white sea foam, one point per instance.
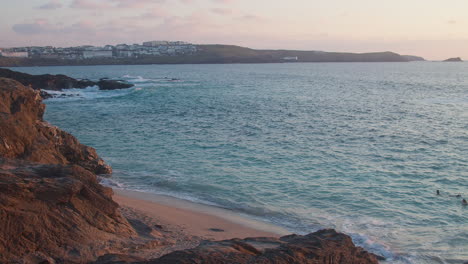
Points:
(92, 92)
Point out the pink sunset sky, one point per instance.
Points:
(433, 29)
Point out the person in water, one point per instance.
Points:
(438, 192)
(464, 202)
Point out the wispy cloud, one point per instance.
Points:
(90, 4)
(87, 4)
(53, 4)
(43, 26)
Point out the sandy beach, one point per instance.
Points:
(192, 219)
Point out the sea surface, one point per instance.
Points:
(360, 147)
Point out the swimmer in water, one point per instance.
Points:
(464, 202)
(438, 192)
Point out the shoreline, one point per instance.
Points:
(194, 219)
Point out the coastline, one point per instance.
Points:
(193, 219)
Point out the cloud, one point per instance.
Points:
(53, 4)
(87, 4)
(136, 3)
(27, 29)
(43, 27)
(452, 22)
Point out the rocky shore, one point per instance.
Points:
(59, 82)
(53, 209)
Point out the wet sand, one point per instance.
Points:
(192, 219)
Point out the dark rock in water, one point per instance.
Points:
(25, 135)
(322, 247)
(457, 59)
(45, 95)
(59, 82)
(46, 81)
(55, 212)
(105, 84)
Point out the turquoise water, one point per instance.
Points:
(361, 147)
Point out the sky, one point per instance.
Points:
(434, 29)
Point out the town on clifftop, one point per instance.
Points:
(149, 48)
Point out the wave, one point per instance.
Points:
(92, 92)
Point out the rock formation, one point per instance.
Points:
(457, 59)
(106, 84)
(322, 247)
(55, 212)
(59, 82)
(25, 135)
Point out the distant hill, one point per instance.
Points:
(222, 54)
(457, 59)
(413, 58)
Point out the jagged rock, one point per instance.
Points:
(59, 82)
(45, 81)
(56, 212)
(25, 135)
(322, 247)
(106, 84)
(45, 95)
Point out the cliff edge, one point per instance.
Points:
(25, 135)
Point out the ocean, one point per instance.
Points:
(360, 147)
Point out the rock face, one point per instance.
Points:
(55, 212)
(457, 59)
(25, 135)
(322, 247)
(59, 82)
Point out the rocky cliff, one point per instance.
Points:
(25, 135)
(56, 213)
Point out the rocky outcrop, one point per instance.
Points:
(457, 59)
(56, 213)
(322, 247)
(46, 81)
(106, 84)
(59, 82)
(25, 135)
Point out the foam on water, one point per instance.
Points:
(92, 92)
